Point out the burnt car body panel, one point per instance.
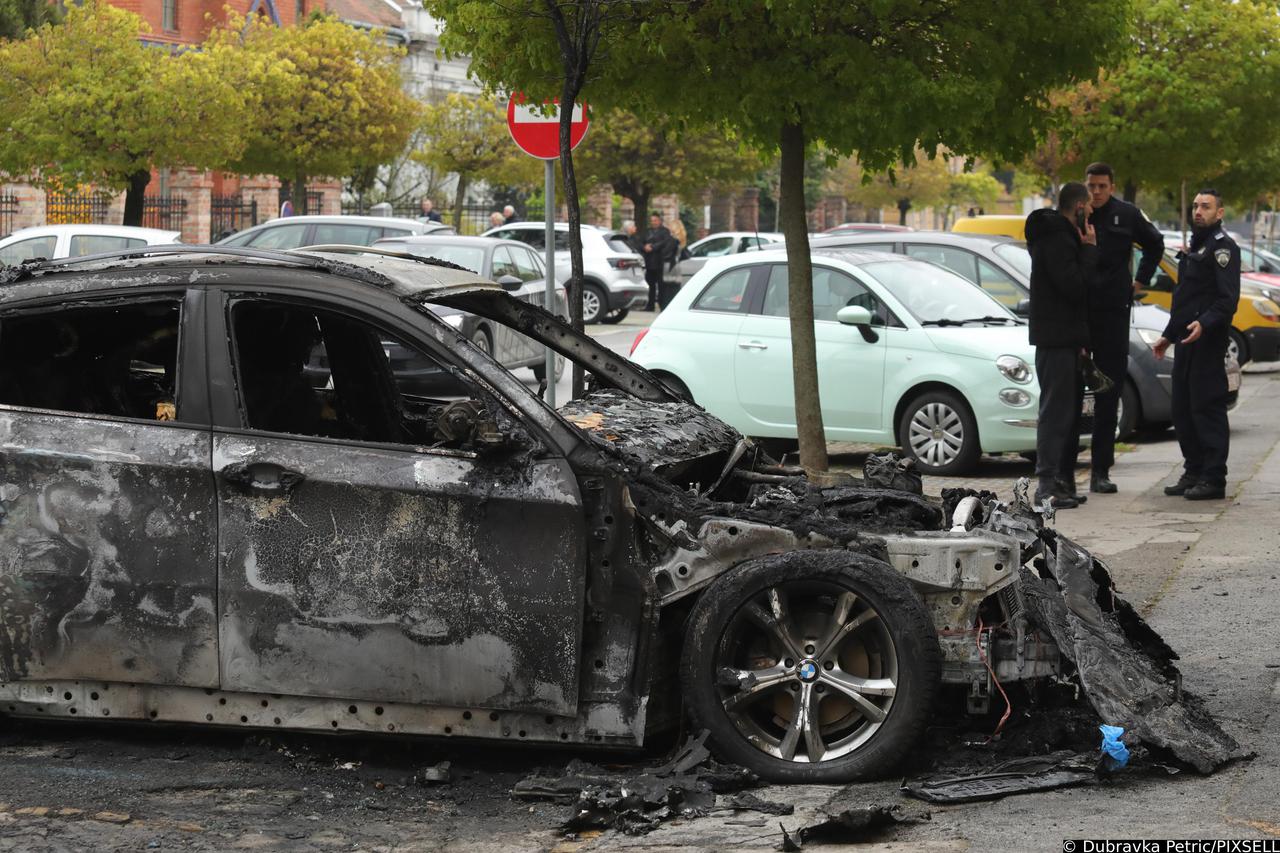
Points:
(530, 581)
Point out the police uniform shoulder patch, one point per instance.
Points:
(1221, 235)
(1223, 257)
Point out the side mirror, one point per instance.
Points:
(510, 282)
(1023, 308)
(856, 315)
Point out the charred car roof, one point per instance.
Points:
(403, 276)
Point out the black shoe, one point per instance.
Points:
(1068, 488)
(1057, 499)
(1185, 482)
(1100, 483)
(1205, 492)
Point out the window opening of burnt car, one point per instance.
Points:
(308, 371)
(116, 360)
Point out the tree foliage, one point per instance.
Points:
(84, 101)
(329, 99)
(878, 78)
(1191, 95)
(468, 136)
(19, 16)
(642, 158)
(919, 185)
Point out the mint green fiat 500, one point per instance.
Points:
(908, 353)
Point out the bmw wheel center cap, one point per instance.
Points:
(808, 670)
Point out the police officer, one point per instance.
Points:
(1203, 304)
(1118, 225)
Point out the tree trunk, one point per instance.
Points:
(641, 200)
(459, 200)
(904, 204)
(135, 197)
(804, 349)
(299, 193)
(1130, 191)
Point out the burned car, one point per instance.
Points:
(195, 530)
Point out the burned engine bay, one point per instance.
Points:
(1012, 600)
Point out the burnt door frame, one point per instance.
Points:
(386, 571)
(112, 537)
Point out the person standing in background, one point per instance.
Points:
(1063, 248)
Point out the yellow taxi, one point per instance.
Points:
(1255, 328)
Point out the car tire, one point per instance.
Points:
(1238, 346)
(481, 339)
(595, 303)
(945, 413)
(860, 733)
(618, 316)
(540, 370)
(1130, 415)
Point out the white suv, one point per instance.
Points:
(612, 270)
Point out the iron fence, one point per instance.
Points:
(314, 200)
(230, 213)
(477, 218)
(74, 208)
(407, 210)
(8, 212)
(165, 212)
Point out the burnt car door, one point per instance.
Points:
(375, 543)
(107, 517)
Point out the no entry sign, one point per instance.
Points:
(538, 135)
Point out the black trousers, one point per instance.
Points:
(1057, 430)
(1200, 407)
(1110, 347)
(653, 278)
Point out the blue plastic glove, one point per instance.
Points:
(1115, 753)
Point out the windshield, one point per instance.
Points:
(932, 294)
(471, 257)
(1017, 256)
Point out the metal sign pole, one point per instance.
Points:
(549, 216)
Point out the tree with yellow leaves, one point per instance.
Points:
(328, 100)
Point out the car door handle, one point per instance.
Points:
(263, 478)
(752, 345)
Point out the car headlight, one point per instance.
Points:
(1014, 368)
(1149, 336)
(1268, 309)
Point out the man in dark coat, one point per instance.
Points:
(1118, 226)
(1063, 251)
(1204, 302)
(657, 249)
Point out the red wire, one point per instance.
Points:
(1008, 706)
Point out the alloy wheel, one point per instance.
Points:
(807, 671)
(590, 305)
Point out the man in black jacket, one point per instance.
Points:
(658, 246)
(1063, 249)
(1111, 286)
(1203, 304)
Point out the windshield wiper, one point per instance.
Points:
(988, 319)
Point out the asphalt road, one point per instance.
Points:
(1205, 575)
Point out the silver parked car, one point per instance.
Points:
(613, 271)
(1002, 266)
(719, 245)
(294, 232)
(507, 262)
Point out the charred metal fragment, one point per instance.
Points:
(1126, 670)
(1063, 769)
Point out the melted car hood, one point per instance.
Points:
(989, 342)
(666, 437)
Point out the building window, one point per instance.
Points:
(169, 15)
(299, 11)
